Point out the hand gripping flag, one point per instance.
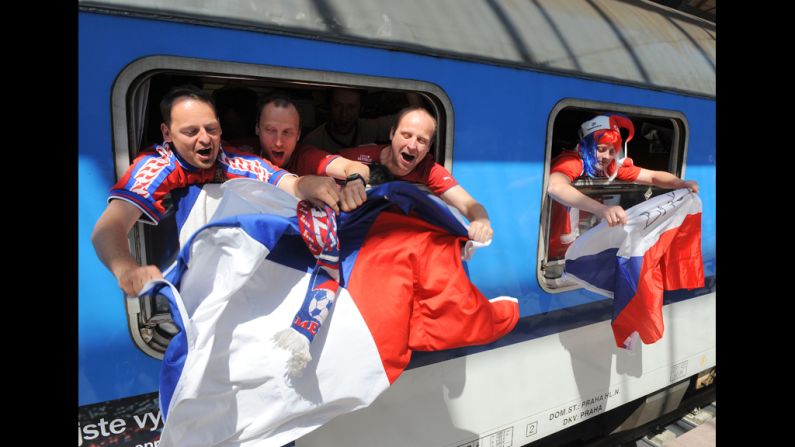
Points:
(244, 276)
(658, 249)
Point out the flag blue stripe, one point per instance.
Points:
(609, 272)
(408, 198)
(626, 282)
(598, 269)
(175, 355)
(291, 251)
(266, 229)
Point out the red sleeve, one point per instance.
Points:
(628, 171)
(567, 163)
(311, 160)
(147, 181)
(440, 179)
(367, 154)
(431, 174)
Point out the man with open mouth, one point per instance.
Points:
(191, 154)
(408, 158)
(279, 128)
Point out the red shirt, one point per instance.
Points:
(153, 174)
(309, 160)
(569, 163)
(306, 159)
(427, 172)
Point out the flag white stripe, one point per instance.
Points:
(633, 239)
(234, 388)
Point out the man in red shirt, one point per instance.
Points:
(595, 156)
(408, 158)
(279, 128)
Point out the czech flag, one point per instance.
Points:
(242, 277)
(658, 249)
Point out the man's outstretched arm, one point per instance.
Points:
(352, 195)
(479, 223)
(318, 190)
(110, 242)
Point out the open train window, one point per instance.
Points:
(136, 126)
(659, 143)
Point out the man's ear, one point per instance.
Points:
(166, 133)
(391, 132)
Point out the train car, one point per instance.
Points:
(509, 83)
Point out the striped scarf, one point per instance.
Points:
(318, 228)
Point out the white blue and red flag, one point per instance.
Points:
(243, 277)
(658, 249)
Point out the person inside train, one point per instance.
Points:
(599, 153)
(237, 114)
(408, 158)
(345, 128)
(191, 154)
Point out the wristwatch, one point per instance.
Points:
(353, 177)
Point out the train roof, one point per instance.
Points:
(627, 41)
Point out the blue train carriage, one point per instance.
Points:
(509, 83)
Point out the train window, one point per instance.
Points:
(236, 89)
(659, 143)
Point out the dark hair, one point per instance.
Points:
(358, 91)
(403, 112)
(379, 174)
(183, 91)
(242, 101)
(230, 97)
(279, 99)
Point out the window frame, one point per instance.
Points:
(124, 129)
(677, 164)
